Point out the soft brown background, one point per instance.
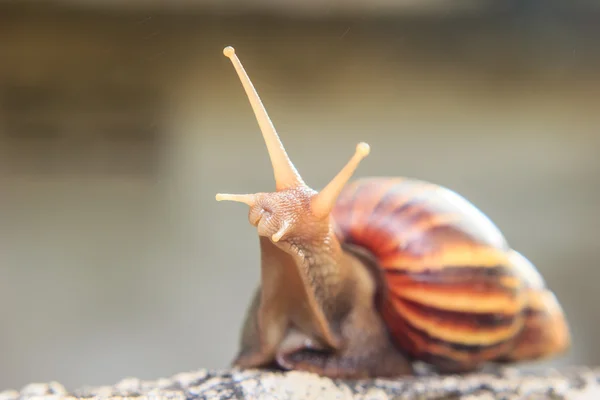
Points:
(119, 124)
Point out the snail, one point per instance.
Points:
(371, 277)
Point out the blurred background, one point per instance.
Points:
(119, 121)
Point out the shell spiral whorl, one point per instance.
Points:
(451, 291)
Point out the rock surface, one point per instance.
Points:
(508, 384)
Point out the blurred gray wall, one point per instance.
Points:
(118, 128)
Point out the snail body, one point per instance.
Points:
(363, 279)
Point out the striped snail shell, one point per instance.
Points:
(452, 288)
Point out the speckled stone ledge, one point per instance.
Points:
(579, 383)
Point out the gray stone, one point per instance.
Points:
(579, 383)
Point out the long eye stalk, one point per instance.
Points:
(286, 175)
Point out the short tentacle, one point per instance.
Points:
(249, 199)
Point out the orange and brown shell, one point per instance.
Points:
(454, 291)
